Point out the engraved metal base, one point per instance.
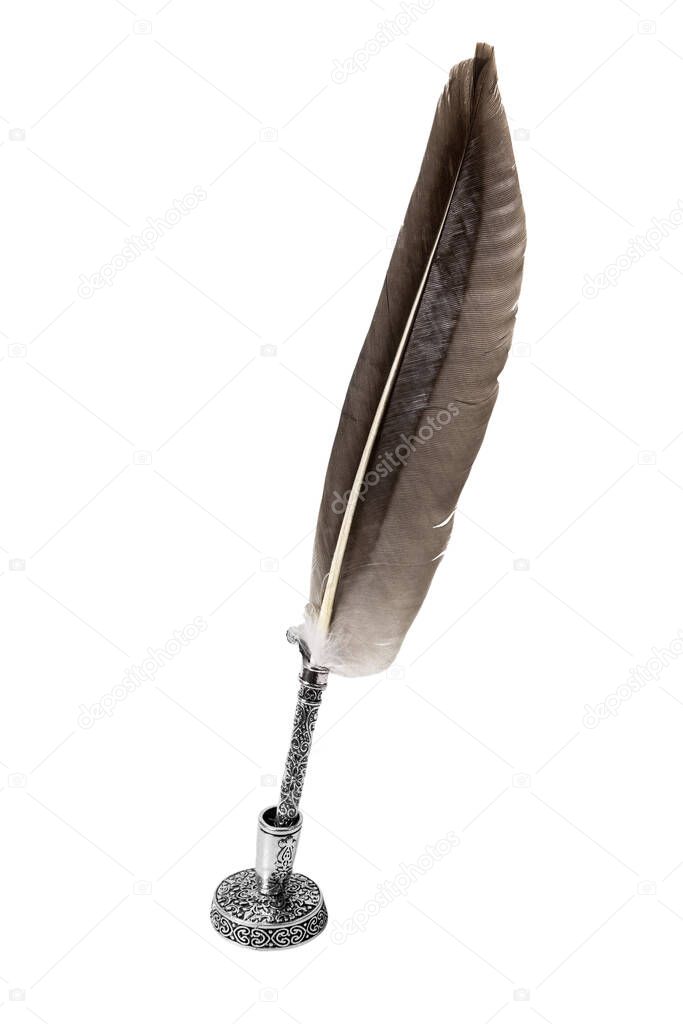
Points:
(244, 914)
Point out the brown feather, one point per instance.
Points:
(424, 385)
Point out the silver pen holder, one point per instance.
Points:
(270, 906)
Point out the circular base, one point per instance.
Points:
(244, 915)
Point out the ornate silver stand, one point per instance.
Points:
(268, 906)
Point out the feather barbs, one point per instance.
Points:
(424, 385)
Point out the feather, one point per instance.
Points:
(424, 386)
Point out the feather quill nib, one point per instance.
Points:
(425, 383)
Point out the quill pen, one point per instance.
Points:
(414, 418)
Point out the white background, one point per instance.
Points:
(563, 573)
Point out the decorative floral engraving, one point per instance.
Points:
(284, 860)
(305, 716)
(263, 921)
